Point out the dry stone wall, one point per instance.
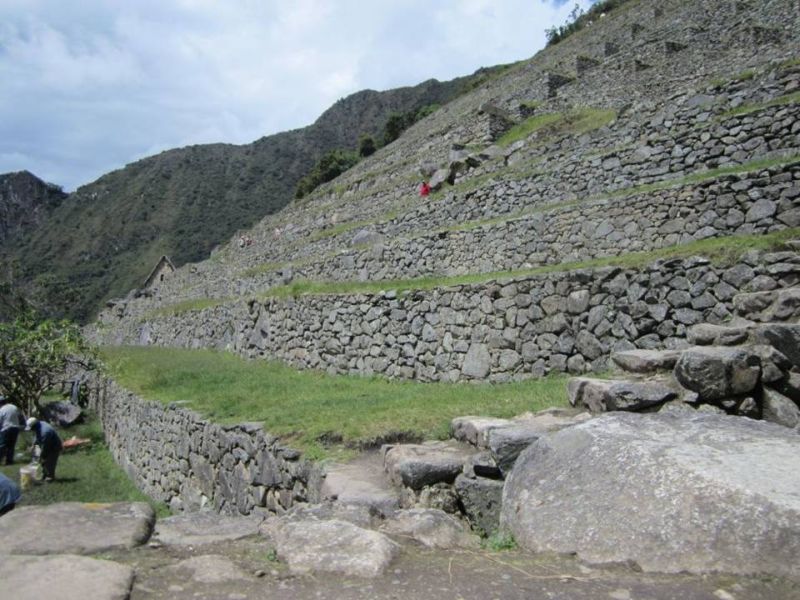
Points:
(176, 457)
(564, 321)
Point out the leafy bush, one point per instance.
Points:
(366, 145)
(330, 166)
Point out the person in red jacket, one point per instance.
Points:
(424, 189)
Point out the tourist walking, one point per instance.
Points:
(49, 446)
(11, 421)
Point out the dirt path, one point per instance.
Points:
(246, 569)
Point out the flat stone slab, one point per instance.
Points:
(209, 568)
(420, 465)
(707, 334)
(361, 482)
(194, 529)
(703, 493)
(66, 577)
(311, 546)
(645, 361)
(431, 527)
(75, 528)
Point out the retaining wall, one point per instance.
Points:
(564, 321)
(176, 457)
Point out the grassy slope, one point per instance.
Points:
(306, 405)
(86, 474)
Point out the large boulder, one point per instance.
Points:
(716, 373)
(75, 528)
(62, 414)
(670, 492)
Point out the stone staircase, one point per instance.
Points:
(463, 475)
(748, 366)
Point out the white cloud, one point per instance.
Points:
(90, 86)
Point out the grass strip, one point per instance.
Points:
(721, 250)
(305, 407)
(746, 109)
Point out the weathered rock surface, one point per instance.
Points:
(481, 499)
(75, 528)
(431, 527)
(65, 577)
(672, 493)
(474, 429)
(330, 547)
(194, 529)
(716, 373)
(645, 361)
(62, 414)
(209, 568)
(779, 409)
(600, 395)
(420, 465)
(361, 482)
(506, 443)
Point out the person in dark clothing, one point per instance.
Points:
(49, 445)
(9, 494)
(11, 421)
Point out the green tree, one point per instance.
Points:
(366, 145)
(331, 165)
(35, 354)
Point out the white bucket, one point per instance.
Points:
(27, 475)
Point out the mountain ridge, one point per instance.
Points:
(102, 240)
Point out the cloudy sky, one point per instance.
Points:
(87, 86)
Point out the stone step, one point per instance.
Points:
(506, 438)
(774, 305)
(417, 466)
(645, 361)
(732, 334)
(601, 395)
(361, 482)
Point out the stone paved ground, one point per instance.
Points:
(420, 573)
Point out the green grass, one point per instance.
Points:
(522, 130)
(303, 406)
(721, 250)
(500, 541)
(188, 306)
(85, 474)
(576, 122)
(746, 109)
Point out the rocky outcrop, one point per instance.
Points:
(670, 493)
